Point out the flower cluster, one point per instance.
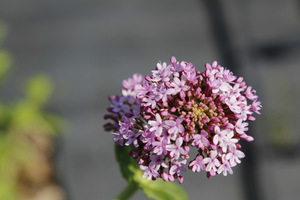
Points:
(164, 115)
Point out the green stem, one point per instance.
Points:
(127, 192)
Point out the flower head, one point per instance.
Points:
(177, 108)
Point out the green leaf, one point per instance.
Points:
(39, 89)
(161, 190)
(5, 58)
(5, 63)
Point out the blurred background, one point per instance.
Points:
(85, 48)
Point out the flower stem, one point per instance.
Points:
(127, 192)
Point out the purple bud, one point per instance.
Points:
(148, 78)
(173, 109)
(180, 179)
(182, 95)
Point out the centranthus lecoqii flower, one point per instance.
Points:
(164, 115)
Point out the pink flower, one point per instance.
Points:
(160, 147)
(163, 93)
(220, 136)
(251, 94)
(176, 127)
(228, 76)
(157, 125)
(256, 106)
(179, 85)
(119, 138)
(130, 85)
(161, 73)
(233, 104)
(177, 167)
(200, 140)
(150, 171)
(148, 138)
(235, 156)
(229, 142)
(151, 100)
(212, 163)
(132, 138)
(143, 89)
(215, 84)
(225, 166)
(241, 127)
(163, 115)
(157, 161)
(176, 150)
(197, 164)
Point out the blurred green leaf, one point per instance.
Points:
(38, 91)
(5, 63)
(158, 189)
(161, 190)
(27, 118)
(5, 58)
(7, 190)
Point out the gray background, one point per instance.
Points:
(88, 47)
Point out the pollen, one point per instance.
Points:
(198, 111)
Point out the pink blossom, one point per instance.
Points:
(132, 138)
(212, 162)
(157, 125)
(215, 84)
(234, 156)
(175, 149)
(235, 91)
(211, 69)
(177, 167)
(189, 72)
(151, 100)
(233, 104)
(200, 140)
(251, 94)
(229, 141)
(179, 85)
(164, 115)
(130, 85)
(161, 73)
(241, 127)
(119, 138)
(148, 137)
(256, 106)
(143, 89)
(228, 76)
(150, 171)
(225, 166)
(245, 112)
(175, 127)
(220, 136)
(157, 161)
(163, 93)
(197, 164)
(160, 147)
